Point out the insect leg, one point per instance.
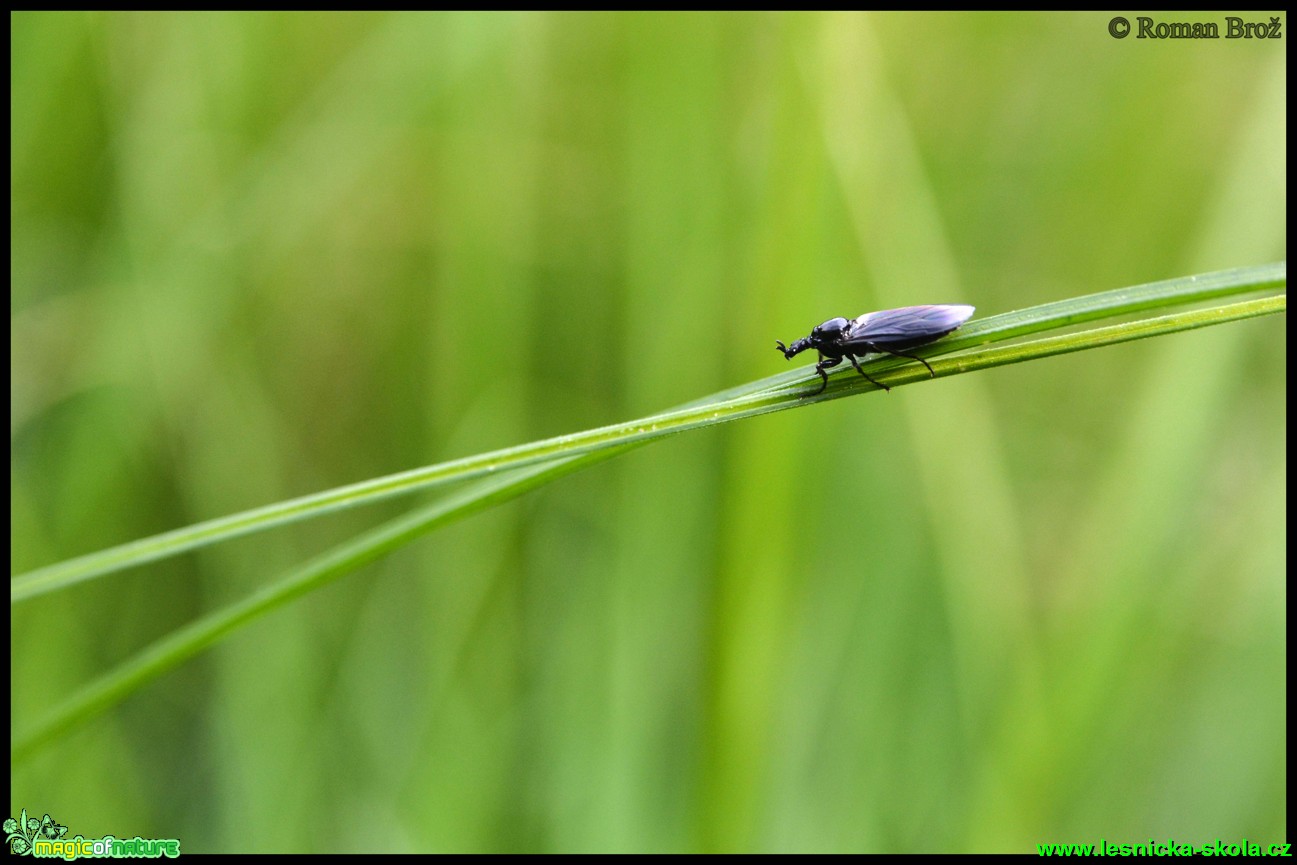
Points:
(825, 363)
(882, 350)
(852, 358)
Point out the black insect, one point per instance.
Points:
(890, 331)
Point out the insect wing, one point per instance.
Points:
(909, 325)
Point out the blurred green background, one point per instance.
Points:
(257, 256)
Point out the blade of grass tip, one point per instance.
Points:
(1113, 303)
(1078, 310)
(1137, 298)
(1118, 333)
(986, 358)
(754, 401)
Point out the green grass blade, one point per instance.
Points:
(186, 642)
(771, 394)
(189, 641)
